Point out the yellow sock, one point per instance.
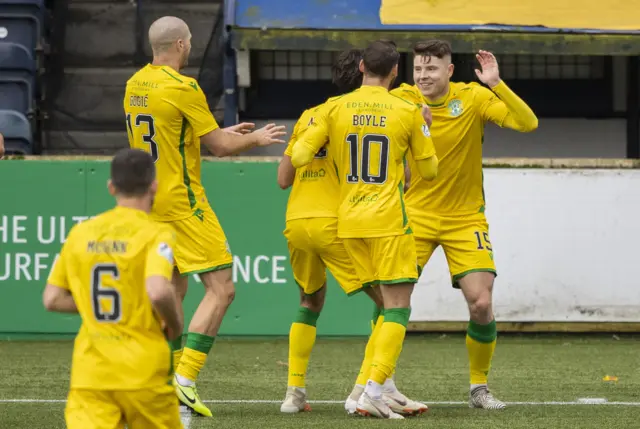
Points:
(176, 351)
(389, 343)
(302, 337)
(369, 352)
(194, 355)
(481, 342)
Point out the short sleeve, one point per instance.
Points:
(294, 136)
(421, 145)
(160, 254)
(193, 105)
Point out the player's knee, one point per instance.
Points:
(313, 305)
(227, 294)
(480, 304)
(314, 302)
(220, 285)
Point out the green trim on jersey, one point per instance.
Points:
(400, 98)
(185, 172)
(171, 75)
(405, 218)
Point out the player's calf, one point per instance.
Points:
(481, 337)
(397, 298)
(302, 338)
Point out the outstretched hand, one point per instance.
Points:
(489, 73)
(269, 134)
(240, 129)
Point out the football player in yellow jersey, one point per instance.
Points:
(115, 271)
(369, 133)
(311, 233)
(167, 114)
(449, 212)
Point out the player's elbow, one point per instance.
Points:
(532, 125)
(50, 298)
(284, 182)
(286, 173)
(159, 291)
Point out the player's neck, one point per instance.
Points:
(375, 81)
(168, 61)
(439, 98)
(134, 203)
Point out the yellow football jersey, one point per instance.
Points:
(458, 133)
(370, 131)
(166, 113)
(104, 263)
(315, 188)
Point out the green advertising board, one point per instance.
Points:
(41, 200)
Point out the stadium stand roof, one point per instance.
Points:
(340, 24)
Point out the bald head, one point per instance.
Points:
(165, 32)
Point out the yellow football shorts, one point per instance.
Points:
(384, 260)
(201, 244)
(314, 246)
(464, 239)
(111, 409)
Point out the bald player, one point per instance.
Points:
(167, 115)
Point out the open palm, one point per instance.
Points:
(489, 73)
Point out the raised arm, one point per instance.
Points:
(221, 142)
(502, 106)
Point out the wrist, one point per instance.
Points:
(494, 83)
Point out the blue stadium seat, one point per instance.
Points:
(22, 29)
(16, 57)
(16, 130)
(24, 7)
(17, 78)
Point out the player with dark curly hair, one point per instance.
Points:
(311, 231)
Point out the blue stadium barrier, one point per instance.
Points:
(16, 130)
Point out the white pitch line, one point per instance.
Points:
(277, 401)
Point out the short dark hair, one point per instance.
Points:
(345, 72)
(432, 48)
(132, 172)
(380, 57)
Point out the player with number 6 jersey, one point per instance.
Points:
(115, 271)
(167, 115)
